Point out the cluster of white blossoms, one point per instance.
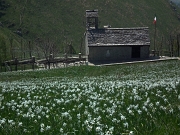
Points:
(96, 105)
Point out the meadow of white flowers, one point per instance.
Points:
(138, 103)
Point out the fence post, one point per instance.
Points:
(16, 63)
(10, 66)
(65, 56)
(33, 62)
(50, 60)
(79, 56)
(5, 66)
(178, 44)
(1, 66)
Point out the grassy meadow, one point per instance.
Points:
(137, 99)
(64, 21)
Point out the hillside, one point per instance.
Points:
(63, 22)
(9, 40)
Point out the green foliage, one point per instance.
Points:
(63, 21)
(10, 44)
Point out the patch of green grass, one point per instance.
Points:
(122, 99)
(81, 71)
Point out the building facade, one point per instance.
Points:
(114, 44)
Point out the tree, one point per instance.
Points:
(48, 48)
(3, 49)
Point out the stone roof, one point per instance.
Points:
(118, 36)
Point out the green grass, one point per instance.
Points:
(125, 99)
(63, 72)
(81, 71)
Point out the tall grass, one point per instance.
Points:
(134, 99)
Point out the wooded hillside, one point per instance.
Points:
(62, 23)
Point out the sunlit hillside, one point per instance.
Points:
(63, 22)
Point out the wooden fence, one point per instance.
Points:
(47, 62)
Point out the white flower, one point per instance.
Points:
(139, 111)
(125, 124)
(165, 100)
(10, 121)
(2, 121)
(43, 113)
(108, 133)
(25, 130)
(131, 112)
(114, 120)
(145, 108)
(131, 133)
(86, 122)
(64, 124)
(157, 103)
(111, 129)
(78, 115)
(123, 117)
(42, 129)
(151, 105)
(39, 117)
(42, 125)
(98, 129)
(89, 128)
(171, 110)
(65, 114)
(61, 130)
(98, 118)
(32, 115)
(179, 96)
(48, 127)
(20, 124)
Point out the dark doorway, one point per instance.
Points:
(136, 51)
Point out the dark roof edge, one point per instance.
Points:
(133, 28)
(95, 10)
(96, 45)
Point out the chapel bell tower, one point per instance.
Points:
(92, 19)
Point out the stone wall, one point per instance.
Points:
(109, 53)
(115, 53)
